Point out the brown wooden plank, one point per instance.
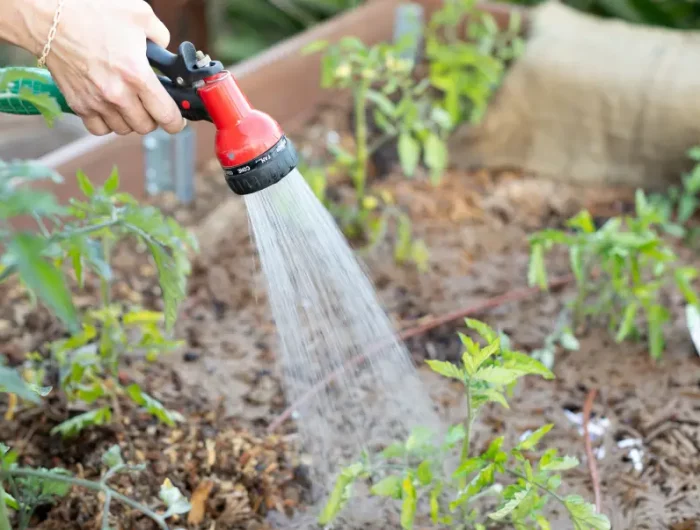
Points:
(499, 10)
(186, 20)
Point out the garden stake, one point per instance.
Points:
(592, 467)
(250, 145)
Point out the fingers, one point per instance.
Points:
(96, 125)
(160, 105)
(155, 29)
(137, 117)
(157, 102)
(114, 120)
(126, 103)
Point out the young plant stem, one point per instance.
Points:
(582, 294)
(4, 516)
(105, 296)
(105, 511)
(362, 153)
(466, 443)
(86, 230)
(467, 423)
(87, 484)
(11, 269)
(539, 486)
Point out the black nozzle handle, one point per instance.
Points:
(160, 58)
(190, 104)
(180, 73)
(182, 68)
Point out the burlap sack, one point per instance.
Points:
(593, 101)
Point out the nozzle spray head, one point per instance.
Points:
(251, 147)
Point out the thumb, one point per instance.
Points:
(157, 31)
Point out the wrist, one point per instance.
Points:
(26, 23)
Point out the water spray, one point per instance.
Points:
(250, 145)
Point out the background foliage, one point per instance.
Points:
(244, 28)
(680, 14)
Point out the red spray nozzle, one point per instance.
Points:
(250, 145)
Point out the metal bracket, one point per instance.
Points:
(170, 163)
(409, 23)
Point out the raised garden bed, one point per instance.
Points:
(645, 419)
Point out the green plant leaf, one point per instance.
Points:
(576, 261)
(684, 276)
(395, 450)
(10, 501)
(542, 522)
(76, 424)
(43, 278)
(484, 330)
(491, 394)
(54, 488)
(455, 434)
(172, 281)
(583, 221)
(409, 505)
(7, 456)
(497, 375)
(84, 184)
(409, 153)
(388, 487)
(569, 341)
(342, 491)
(537, 272)
(45, 104)
(524, 364)
(383, 103)
(153, 406)
(11, 382)
(111, 185)
(420, 255)
(424, 473)
(511, 504)
(419, 438)
(435, 155)
(173, 498)
(402, 249)
(531, 441)
(447, 369)
(583, 514)
(468, 467)
(657, 316)
(627, 324)
(141, 317)
(551, 462)
(435, 503)
(492, 348)
(113, 457)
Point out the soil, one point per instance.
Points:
(645, 422)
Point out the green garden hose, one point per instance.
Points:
(30, 91)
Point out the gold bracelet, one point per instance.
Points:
(52, 34)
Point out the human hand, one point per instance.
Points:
(98, 60)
